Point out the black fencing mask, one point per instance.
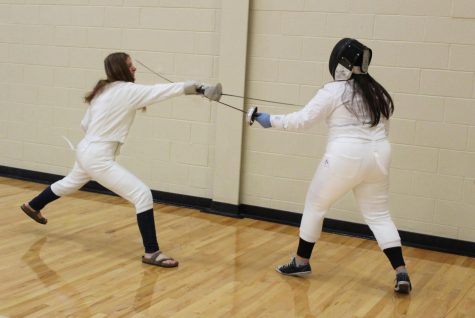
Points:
(349, 57)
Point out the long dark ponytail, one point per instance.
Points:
(376, 100)
(116, 68)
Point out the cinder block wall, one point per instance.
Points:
(51, 54)
(423, 53)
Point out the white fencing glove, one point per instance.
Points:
(191, 87)
(212, 92)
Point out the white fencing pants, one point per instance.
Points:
(96, 161)
(352, 165)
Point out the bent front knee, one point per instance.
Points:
(143, 201)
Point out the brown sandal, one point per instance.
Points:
(155, 260)
(35, 215)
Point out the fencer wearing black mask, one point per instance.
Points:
(357, 110)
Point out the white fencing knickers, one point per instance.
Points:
(361, 166)
(96, 161)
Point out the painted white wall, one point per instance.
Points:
(51, 54)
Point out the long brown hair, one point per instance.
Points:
(116, 68)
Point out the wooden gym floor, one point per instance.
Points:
(86, 263)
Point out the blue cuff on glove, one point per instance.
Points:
(263, 119)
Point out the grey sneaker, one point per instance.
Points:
(292, 269)
(403, 283)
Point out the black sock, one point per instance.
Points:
(394, 255)
(43, 199)
(146, 223)
(305, 248)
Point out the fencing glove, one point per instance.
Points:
(212, 92)
(191, 87)
(263, 119)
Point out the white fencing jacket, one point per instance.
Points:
(112, 111)
(329, 105)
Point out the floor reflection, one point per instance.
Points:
(300, 288)
(69, 296)
(144, 294)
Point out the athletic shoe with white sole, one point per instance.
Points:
(292, 269)
(403, 283)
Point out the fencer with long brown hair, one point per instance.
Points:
(113, 103)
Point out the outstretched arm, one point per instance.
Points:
(316, 110)
(142, 95)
